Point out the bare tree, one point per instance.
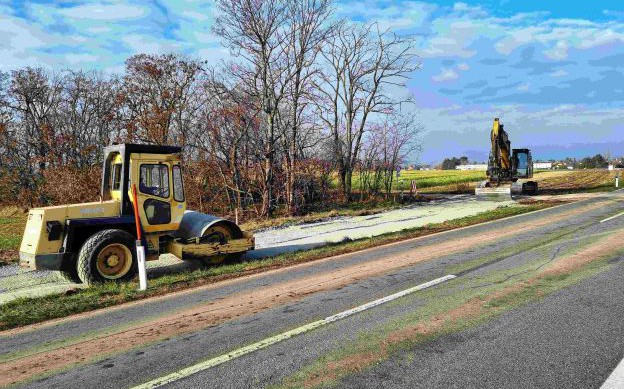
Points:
(400, 137)
(361, 63)
(156, 91)
(88, 117)
(33, 98)
(254, 31)
(226, 136)
(308, 30)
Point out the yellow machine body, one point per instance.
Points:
(37, 241)
(54, 235)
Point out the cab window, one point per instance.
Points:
(522, 164)
(154, 180)
(178, 186)
(116, 178)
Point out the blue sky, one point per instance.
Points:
(552, 70)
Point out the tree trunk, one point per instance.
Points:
(348, 178)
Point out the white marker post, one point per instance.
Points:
(140, 250)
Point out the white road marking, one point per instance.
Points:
(175, 376)
(616, 379)
(612, 217)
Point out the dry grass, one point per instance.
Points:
(575, 180)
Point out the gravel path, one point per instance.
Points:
(17, 282)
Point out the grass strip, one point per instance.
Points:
(448, 309)
(30, 310)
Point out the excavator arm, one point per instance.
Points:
(499, 165)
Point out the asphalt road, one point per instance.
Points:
(571, 338)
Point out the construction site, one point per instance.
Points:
(311, 194)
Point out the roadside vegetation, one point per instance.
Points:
(426, 179)
(24, 311)
(429, 183)
(12, 222)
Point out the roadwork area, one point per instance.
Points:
(498, 266)
(16, 282)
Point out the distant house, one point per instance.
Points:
(542, 165)
(478, 166)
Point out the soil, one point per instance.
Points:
(246, 303)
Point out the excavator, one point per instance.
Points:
(508, 171)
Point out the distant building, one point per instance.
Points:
(542, 165)
(479, 166)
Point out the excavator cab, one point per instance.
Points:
(522, 164)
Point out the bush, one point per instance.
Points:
(68, 185)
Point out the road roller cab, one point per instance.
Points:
(94, 242)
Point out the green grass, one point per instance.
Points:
(24, 311)
(10, 242)
(428, 178)
(11, 229)
(431, 178)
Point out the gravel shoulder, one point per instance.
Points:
(16, 282)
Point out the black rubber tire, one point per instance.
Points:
(87, 257)
(529, 188)
(69, 271)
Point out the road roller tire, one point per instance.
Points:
(69, 272)
(108, 255)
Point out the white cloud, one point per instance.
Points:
(205, 37)
(616, 14)
(517, 38)
(595, 38)
(195, 15)
(524, 87)
(98, 30)
(402, 16)
(79, 58)
(559, 73)
(446, 75)
(463, 66)
(147, 44)
(559, 125)
(104, 12)
(558, 52)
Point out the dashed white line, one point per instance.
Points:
(612, 217)
(175, 376)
